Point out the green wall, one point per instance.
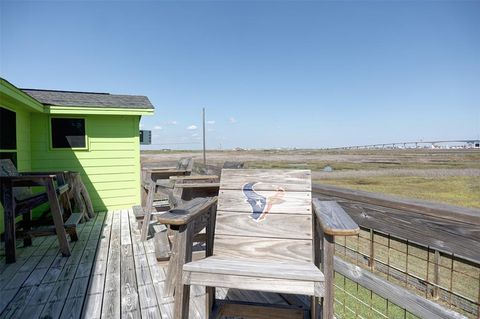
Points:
(110, 167)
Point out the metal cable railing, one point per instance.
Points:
(443, 277)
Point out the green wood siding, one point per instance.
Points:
(24, 156)
(110, 164)
(110, 167)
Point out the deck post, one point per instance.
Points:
(317, 249)
(328, 246)
(182, 292)
(371, 259)
(9, 220)
(436, 274)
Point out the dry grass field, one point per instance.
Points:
(447, 176)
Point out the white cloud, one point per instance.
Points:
(210, 122)
(232, 120)
(194, 134)
(172, 122)
(192, 127)
(157, 127)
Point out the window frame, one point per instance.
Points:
(50, 133)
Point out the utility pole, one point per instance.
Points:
(204, 154)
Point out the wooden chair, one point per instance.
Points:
(266, 238)
(201, 169)
(185, 190)
(18, 201)
(206, 184)
(144, 213)
(183, 168)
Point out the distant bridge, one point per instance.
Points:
(416, 144)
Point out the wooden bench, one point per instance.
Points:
(266, 237)
(18, 201)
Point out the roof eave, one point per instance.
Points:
(59, 109)
(11, 91)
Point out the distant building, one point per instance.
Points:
(328, 168)
(473, 144)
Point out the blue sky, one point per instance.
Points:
(301, 74)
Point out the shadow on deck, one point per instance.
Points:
(110, 274)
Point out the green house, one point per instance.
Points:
(96, 134)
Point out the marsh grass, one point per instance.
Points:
(341, 166)
(455, 190)
(354, 301)
(446, 177)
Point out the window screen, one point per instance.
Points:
(8, 130)
(68, 133)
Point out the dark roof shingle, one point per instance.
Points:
(89, 99)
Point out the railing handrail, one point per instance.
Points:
(450, 212)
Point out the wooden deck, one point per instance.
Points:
(111, 274)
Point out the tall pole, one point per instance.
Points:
(204, 154)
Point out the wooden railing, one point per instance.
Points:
(426, 249)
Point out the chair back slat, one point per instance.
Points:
(185, 163)
(7, 168)
(267, 179)
(264, 214)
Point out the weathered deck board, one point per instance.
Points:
(41, 280)
(110, 274)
